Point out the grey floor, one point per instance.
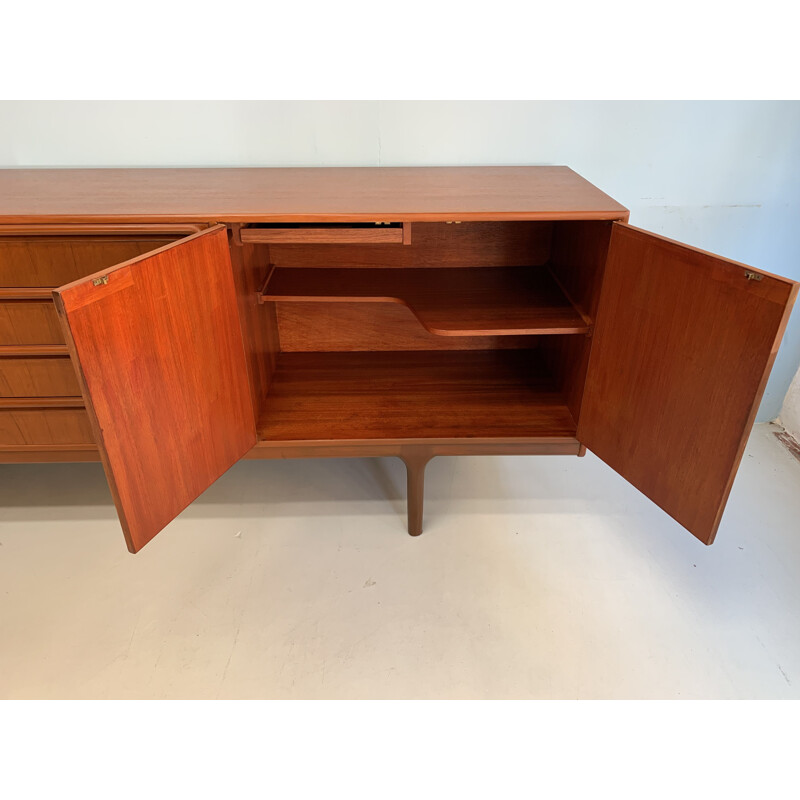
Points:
(543, 577)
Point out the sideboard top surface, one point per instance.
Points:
(288, 194)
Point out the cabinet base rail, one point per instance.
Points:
(416, 456)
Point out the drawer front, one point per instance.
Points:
(331, 233)
(52, 261)
(44, 427)
(39, 376)
(29, 322)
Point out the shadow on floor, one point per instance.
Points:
(268, 486)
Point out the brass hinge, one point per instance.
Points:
(100, 281)
(752, 276)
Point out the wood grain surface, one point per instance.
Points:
(374, 234)
(258, 321)
(434, 244)
(26, 322)
(412, 395)
(447, 302)
(41, 376)
(26, 293)
(41, 402)
(577, 260)
(347, 327)
(34, 454)
(683, 345)
(162, 364)
(170, 231)
(50, 261)
(44, 427)
(337, 194)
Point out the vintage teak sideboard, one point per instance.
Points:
(170, 322)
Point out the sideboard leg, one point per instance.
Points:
(415, 471)
(582, 451)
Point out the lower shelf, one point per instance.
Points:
(484, 394)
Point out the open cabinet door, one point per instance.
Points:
(161, 362)
(682, 349)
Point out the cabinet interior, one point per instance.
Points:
(473, 329)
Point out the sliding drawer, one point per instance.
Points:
(324, 233)
(43, 427)
(37, 375)
(28, 318)
(49, 256)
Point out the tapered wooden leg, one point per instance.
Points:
(415, 471)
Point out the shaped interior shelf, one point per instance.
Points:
(407, 395)
(474, 301)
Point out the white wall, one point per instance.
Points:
(790, 413)
(723, 176)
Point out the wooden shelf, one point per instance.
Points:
(413, 395)
(482, 301)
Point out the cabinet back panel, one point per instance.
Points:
(433, 244)
(53, 261)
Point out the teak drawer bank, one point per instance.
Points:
(170, 322)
